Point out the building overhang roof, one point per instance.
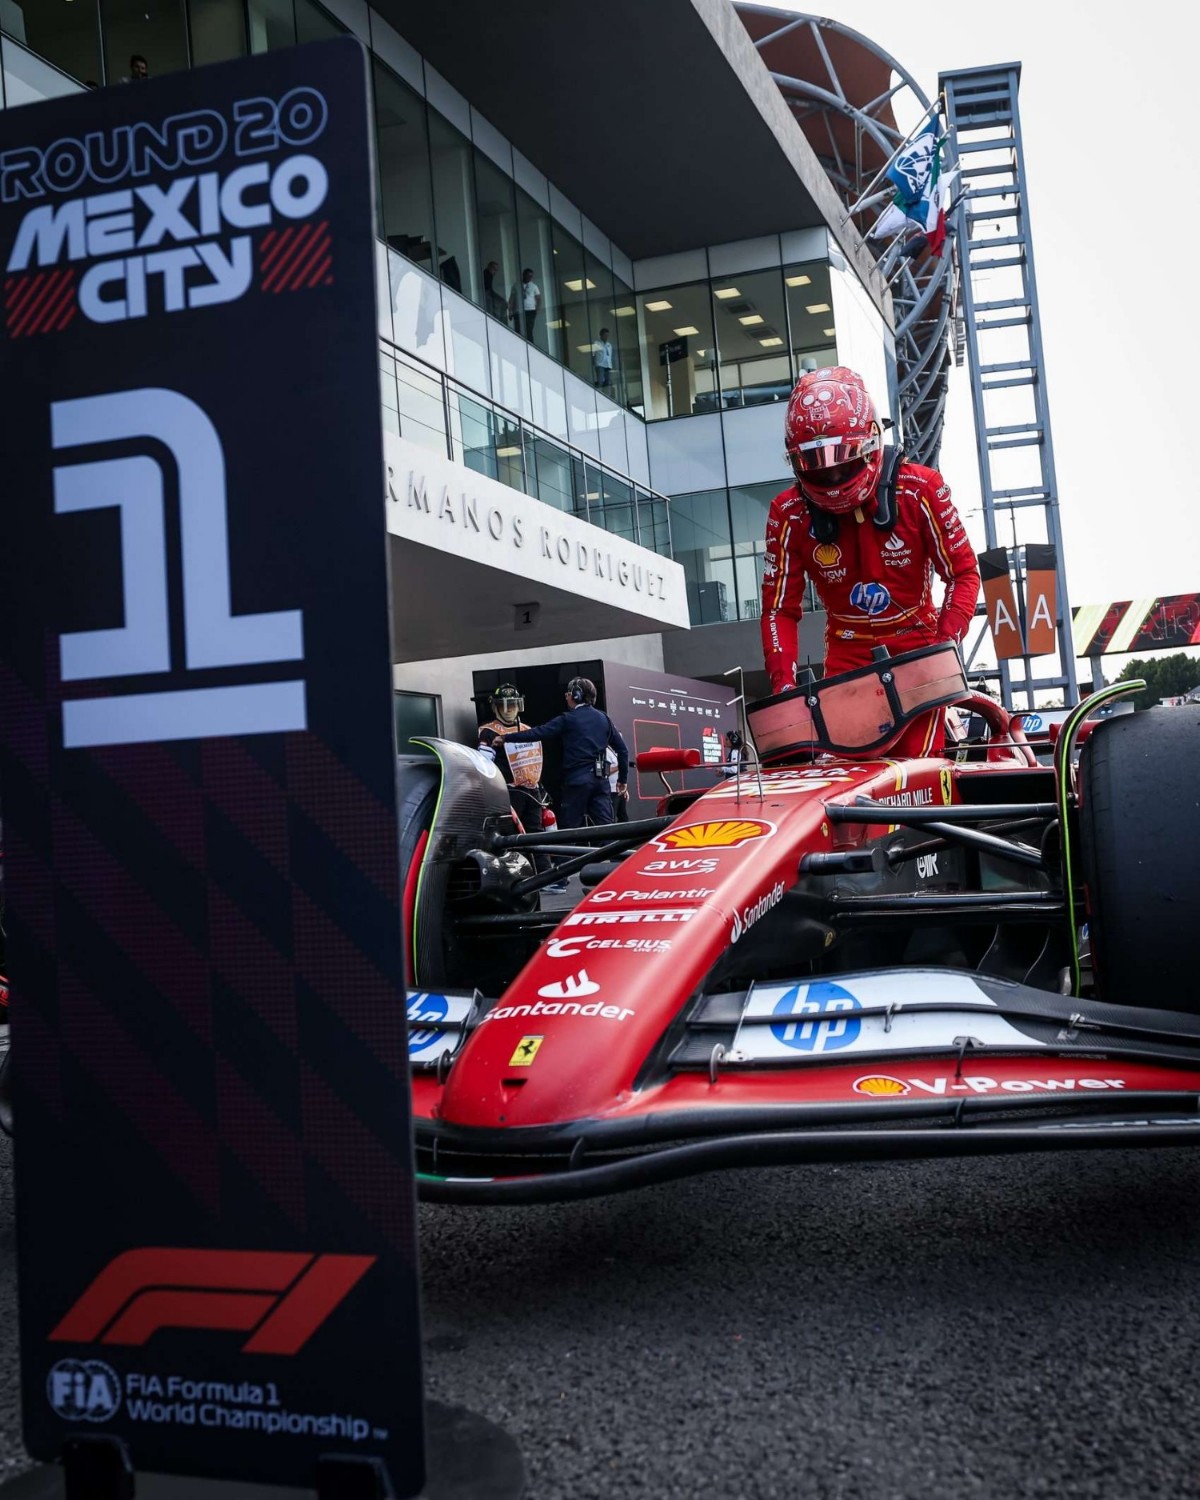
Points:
(659, 121)
(478, 566)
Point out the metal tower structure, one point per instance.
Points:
(841, 87)
(1004, 345)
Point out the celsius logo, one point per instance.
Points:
(425, 1010)
(83, 1390)
(571, 987)
(164, 247)
(213, 636)
(831, 1032)
(871, 598)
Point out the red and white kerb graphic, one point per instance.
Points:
(280, 1297)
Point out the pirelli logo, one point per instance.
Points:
(280, 1298)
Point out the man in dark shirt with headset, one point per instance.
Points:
(584, 731)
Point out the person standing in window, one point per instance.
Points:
(602, 360)
(524, 302)
(493, 301)
(139, 69)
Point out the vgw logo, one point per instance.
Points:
(213, 635)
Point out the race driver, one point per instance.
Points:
(872, 570)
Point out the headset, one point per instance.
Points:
(577, 690)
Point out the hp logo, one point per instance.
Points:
(825, 1035)
(871, 598)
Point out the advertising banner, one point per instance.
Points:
(216, 1244)
(1041, 599)
(1167, 622)
(1001, 601)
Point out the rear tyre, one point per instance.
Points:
(1139, 825)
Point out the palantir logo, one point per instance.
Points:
(213, 635)
(83, 1390)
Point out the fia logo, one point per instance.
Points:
(213, 635)
(83, 1390)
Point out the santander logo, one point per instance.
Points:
(570, 988)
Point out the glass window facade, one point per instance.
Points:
(218, 30)
(752, 339)
(272, 24)
(810, 316)
(748, 510)
(66, 35)
(574, 288)
(405, 184)
(534, 297)
(453, 196)
(627, 353)
(679, 350)
(496, 217)
(143, 38)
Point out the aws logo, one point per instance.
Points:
(727, 833)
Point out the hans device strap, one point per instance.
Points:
(825, 525)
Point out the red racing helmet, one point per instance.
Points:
(833, 439)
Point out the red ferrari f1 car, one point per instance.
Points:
(835, 955)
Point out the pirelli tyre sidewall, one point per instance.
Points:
(1139, 826)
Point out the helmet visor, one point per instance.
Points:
(831, 453)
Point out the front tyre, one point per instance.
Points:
(1139, 826)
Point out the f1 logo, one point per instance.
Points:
(280, 1297)
(213, 635)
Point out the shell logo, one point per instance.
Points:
(725, 833)
(827, 555)
(880, 1086)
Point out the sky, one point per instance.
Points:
(1106, 105)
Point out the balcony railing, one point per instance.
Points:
(434, 410)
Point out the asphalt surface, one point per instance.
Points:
(1017, 1327)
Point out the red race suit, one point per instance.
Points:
(876, 585)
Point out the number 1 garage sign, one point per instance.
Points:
(216, 1238)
